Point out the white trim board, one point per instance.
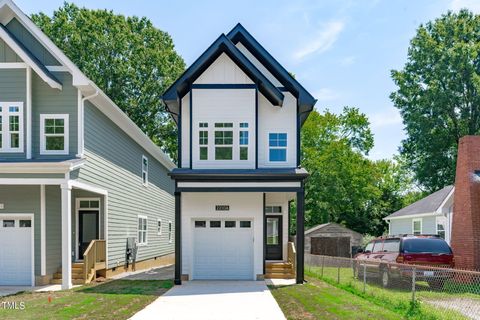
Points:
(417, 215)
(43, 228)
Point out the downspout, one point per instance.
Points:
(81, 127)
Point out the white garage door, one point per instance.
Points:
(15, 251)
(223, 249)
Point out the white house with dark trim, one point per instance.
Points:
(239, 114)
(430, 215)
(78, 179)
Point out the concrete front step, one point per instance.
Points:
(74, 281)
(279, 276)
(58, 275)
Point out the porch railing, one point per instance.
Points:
(94, 259)
(292, 255)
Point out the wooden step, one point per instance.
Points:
(279, 276)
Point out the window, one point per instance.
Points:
(89, 204)
(224, 141)
(170, 235)
(230, 224)
(277, 143)
(54, 133)
(441, 223)
(243, 141)
(378, 246)
(11, 127)
(142, 230)
(369, 247)
(417, 226)
(245, 224)
(425, 245)
(159, 227)
(391, 245)
(25, 223)
(215, 224)
(145, 170)
(273, 209)
(8, 223)
(203, 141)
(200, 224)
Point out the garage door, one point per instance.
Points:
(223, 249)
(15, 251)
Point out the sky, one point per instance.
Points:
(342, 51)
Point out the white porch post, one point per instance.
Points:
(66, 236)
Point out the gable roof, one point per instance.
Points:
(29, 58)
(306, 101)
(9, 10)
(222, 45)
(431, 204)
(324, 225)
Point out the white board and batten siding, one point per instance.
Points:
(217, 254)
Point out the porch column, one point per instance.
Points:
(178, 237)
(300, 235)
(66, 236)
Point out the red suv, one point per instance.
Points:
(381, 258)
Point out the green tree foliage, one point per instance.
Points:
(344, 185)
(127, 57)
(438, 95)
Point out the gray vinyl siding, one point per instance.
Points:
(46, 100)
(53, 240)
(26, 199)
(32, 44)
(114, 162)
(7, 54)
(405, 226)
(13, 88)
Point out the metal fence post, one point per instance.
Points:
(338, 274)
(364, 277)
(414, 274)
(323, 263)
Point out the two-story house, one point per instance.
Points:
(78, 179)
(239, 114)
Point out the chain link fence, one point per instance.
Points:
(441, 293)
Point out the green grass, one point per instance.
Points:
(397, 299)
(117, 299)
(319, 300)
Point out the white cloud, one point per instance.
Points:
(325, 94)
(473, 5)
(322, 41)
(347, 61)
(387, 118)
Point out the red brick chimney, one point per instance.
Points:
(466, 207)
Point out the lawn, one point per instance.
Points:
(398, 298)
(319, 300)
(117, 299)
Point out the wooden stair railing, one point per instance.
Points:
(94, 259)
(292, 255)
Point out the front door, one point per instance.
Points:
(274, 237)
(87, 230)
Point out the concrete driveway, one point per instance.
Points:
(214, 300)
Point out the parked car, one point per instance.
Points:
(383, 257)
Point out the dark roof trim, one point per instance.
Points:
(222, 45)
(244, 175)
(305, 100)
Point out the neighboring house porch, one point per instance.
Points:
(47, 225)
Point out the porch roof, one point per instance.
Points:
(40, 165)
(262, 174)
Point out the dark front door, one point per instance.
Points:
(274, 237)
(87, 230)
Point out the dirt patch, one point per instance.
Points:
(467, 307)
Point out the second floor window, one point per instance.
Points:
(203, 140)
(224, 141)
(243, 141)
(54, 133)
(277, 144)
(145, 171)
(11, 127)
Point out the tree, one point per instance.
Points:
(127, 57)
(438, 95)
(344, 185)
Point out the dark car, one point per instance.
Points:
(382, 258)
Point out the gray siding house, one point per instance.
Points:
(78, 179)
(430, 215)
